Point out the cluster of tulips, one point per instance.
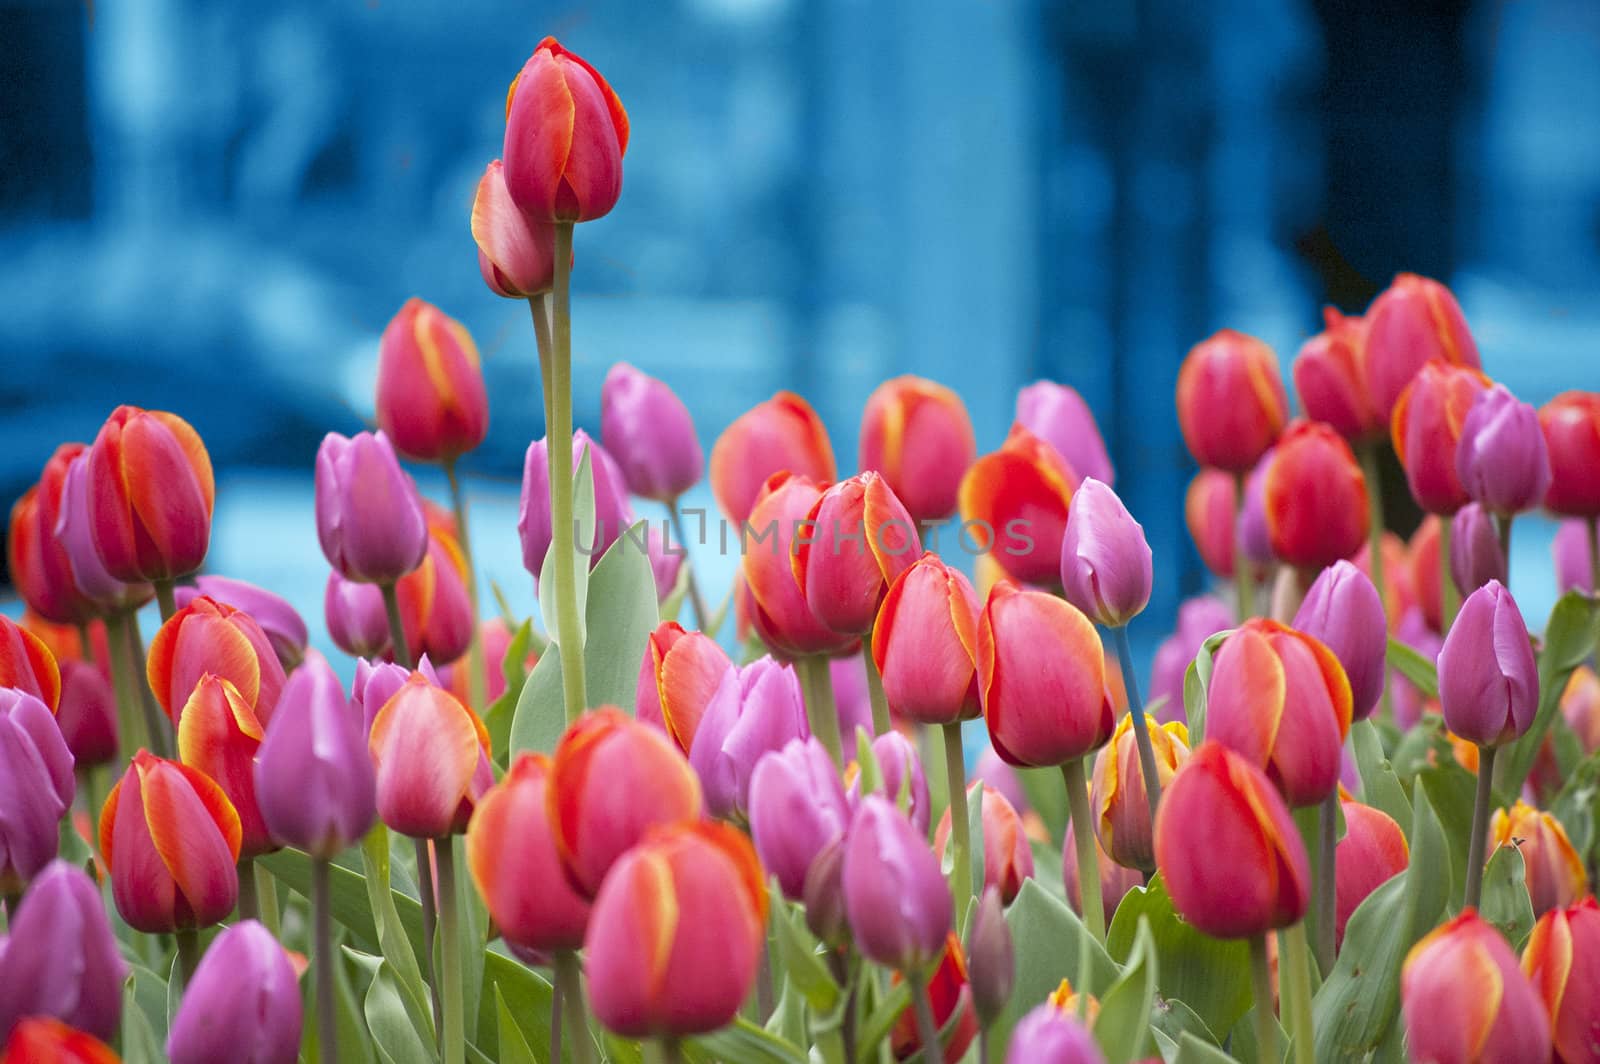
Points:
(1329, 831)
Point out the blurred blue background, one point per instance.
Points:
(214, 207)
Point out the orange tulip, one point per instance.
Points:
(1554, 870)
(213, 637)
(1562, 960)
(1117, 795)
(1231, 403)
(1425, 573)
(431, 756)
(150, 495)
(431, 399)
(1412, 322)
(679, 674)
(1315, 497)
(1210, 511)
(856, 539)
(1330, 376)
(45, 1040)
(780, 613)
(1007, 857)
(1014, 503)
(1580, 706)
(1426, 429)
(435, 612)
(40, 566)
(782, 434)
(219, 734)
(919, 436)
(27, 664)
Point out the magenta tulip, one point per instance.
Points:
(369, 515)
(797, 807)
(1058, 415)
(648, 430)
(894, 893)
(1105, 561)
(242, 1005)
(1342, 609)
(36, 788)
(1502, 458)
(1488, 680)
(60, 957)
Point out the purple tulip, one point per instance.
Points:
(1343, 610)
(612, 511)
(1254, 537)
(61, 958)
(649, 432)
(895, 896)
(1199, 619)
(1475, 554)
(285, 628)
(1501, 457)
(797, 807)
(242, 1005)
(897, 758)
(74, 531)
(1488, 680)
(377, 682)
(36, 787)
(1570, 551)
(314, 780)
(369, 515)
(666, 560)
(1048, 1035)
(356, 617)
(1059, 416)
(87, 715)
(1001, 778)
(850, 695)
(1105, 561)
(991, 958)
(755, 709)
(823, 895)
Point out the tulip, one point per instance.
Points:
(1580, 705)
(1007, 856)
(1426, 575)
(242, 1004)
(41, 1040)
(1554, 870)
(1315, 497)
(666, 561)
(150, 496)
(782, 434)
(512, 856)
(60, 957)
(430, 755)
(797, 808)
(285, 628)
(36, 788)
(1254, 530)
(566, 133)
(27, 665)
(1476, 556)
(369, 517)
(901, 769)
(613, 514)
(894, 893)
(1427, 428)
(1464, 998)
(1000, 777)
(39, 566)
(649, 432)
(1330, 377)
(991, 958)
(917, 434)
(74, 533)
(1342, 611)
(1412, 322)
(1562, 960)
(1229, 853)
(1488, 680)
(219, 734)
(313, 778)
(1398, 586)
(1215, 523)
(1015, 502)
(170, 837)
(1115, 879)
(431, 400)
(1105, 561)
(207, 636)
(1041, 676)
(378, 681)
(356, 618)
(1501, 458)
(1050, 1034)
(755, 710)
(780, 613)
(1117, 796)
(495, 635)
(1571, 424)
(949, 992)
(1372, 852)
(822, 897)
(435, 606)
(1058, 415)
(856, 540)
(516, 253)
(1570, 552)
(1199, 618)
(87, 715)
(680, 672)
(848, 675)
(1231, 403)
(924, 642)
(677, 933)
(593, 822)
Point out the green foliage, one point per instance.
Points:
(1570, 636)
(1505, 902)
(1196, 682)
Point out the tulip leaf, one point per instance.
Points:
(393, 1036)
(1195, 1050)
(1380, 787)
(140, 1042)
(526, 995)
(498, 715)
(881, 1020)
(974, 843)
(1506, 903)
(1172, 1019)
(1209, 975)
(869, 775)
(396, 947)
(1123, 1026)
(512, 1047)
(1196, 682)
(797, 953)
(584, 539)
(147, 991)
(351, 905)
(1577, 805)
(1414, 667)
(541, 714)
(622, 613)
(1451, 790)
(1569, 637)
(745, 1042)
(350, 1035)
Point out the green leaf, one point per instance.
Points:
(1196, 681)
(1380, 787)
(1414, 667)
(797, 954)
(1451, 791)
(512, 1047)
(1193, 1050)
(392, 940)
(974, 842)
(881, 1020)
(1506, 903)
(140, 1042)
(393, 1036)
(147, 992)
(583, 536)
(1577, 806)
(745, 1042)
(351, 904)
(1123, 1026)
(870, 775)
(622, 613)
(541, 713)
(1172, 1018)
(1209, 975)
(1569, 637)
(473, 936)
(498, 716)
(527, 998)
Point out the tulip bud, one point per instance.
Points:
(822, 896)
(613, 514)
(1372, 852)
(1227, 848)
(1117, 794)
(74, 533)
(1580, 705)
(36, 788)
(170, 837)
(430, 755)
(357, 620)
(243, 1003)
(1199, 619)
(1330, 377)
(282, 623)
(780, 613)
(1571, 424)
(1412, 322)
(377, 682)
(1115, 880)
(313, 776)
(648, 430)
(219, 734)
(1007, 856)
(1231, 404)
(512, 857)
(1014, 503)
(1342, 611)
(797, 807)
(87, 715)
(1562, 960)
(1464, 998)
(39, 565)
(1210, 512)
(991, 958)
(1488, 680)
(1050, 1034)
(1315, 497)
(592, 828)
(948, 993)
(431, 401)
(41, 1040)
(207, 636)
(27, 665)
(923, 643)
(848, 675)
(1570, 553)
(1252, 528)
(680, 672)
(901, 769)
(678, 930)
(369, 516)
(150, 495)
(1399, 589)
(917, 434)
(755, 710)
(435, 608)
(60, 957)
(516, 252)
(1105, 561)
(566, 133)
(856, 539)
(1475, 552)
(1554, 870)
(782, 434)
(1058, 415)
(894, 892)
(1426, 432)
(1501, 458)
(1042, 679)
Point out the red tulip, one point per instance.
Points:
(219, 734)
(1315, 497)
(1372, 852)
(1007, 855)
(1330, 376)
(1427, 429)
(919, 436)
(43, 1040)
(1562, 960)
(1571, 424)
(435, 610)
(1464, 999)
(39, 566)
(208, 636)
(87, 715)
(516, 253)
(150, 495)
(852, 545)
(27, 664)
(1425, 572)
(1231, 403)
(431, 399)
(566, 133)
(1412, 322)
(780, 614)
(1014, 504)
(431, 757)
(781, 434)
(925, 644)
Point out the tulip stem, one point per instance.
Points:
(665, 1050)
(955, 776)
(559, 433)
(130, 720)
(166, 599)
(397, 629)
(817, 683)
(1449, 599)
(477, 675)
(267, 895)
(569, 984)
(1502, 525)
(1141, 727)
(927, 1030)
(702, 615)
(425, 897)
(1083, 840)
(188, 953)
(880, 702)
(1327, 882)
(322, 958)
(1243, 576)
(555, 1018)
(1480, 825)
(249, 903)
(155, 723)
(1296, 959)
(1261, 984)
(450, 951)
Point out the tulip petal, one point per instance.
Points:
(181, 806)
(538, 138)
(426, 753)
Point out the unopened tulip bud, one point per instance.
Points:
(355, 616)
(991, 958)
(856, 540)
(74, 532)
(780, 614)
(901, 767)
(1115, 880)
(38, 564)
(919, 436)
(1464, 998)
(1007, 855)
(680, 672)
(60, 957)
(1231, 403)
(1412, 322)
(566, 133)
(27, 665)
(219, 734)
(1058, 415)
(1554, 871)
(1315, 497)
(207, 636)
(378, 681)
(848, 675)
(435, 608)
(1117, 794)
(42, 1040)
(1571, 424)
(1015, 502)
(1501, 458)
(1562, 960)
(783, 433)
(797, 808)
(150, 495)
(613, 514)
(1372, 852)
(87, 715)
(1252, 528)
(1210, 513)
(1426, 432)
(1342, 610)
(1105, 561)
(1570, 553)
(430, 754)
(36, 788)
(648, 430)
(1330, 377)
(757, 709)
(895, 894)
(516, 253)
(1476, 556)
(369, 516)
(243, 1003)
(924, 642)
(1488, 680)
(822, 896)
(285, 628)
(1050, 1034)
(431, 400)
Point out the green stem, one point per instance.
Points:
(267, 895)
(157, 727)
(1502, 525)
(570, 981)
(1297, 959)
(429, 921)
(1141, 727)
(1261, 984)
(1243, 576)
(166, 598)
(559, 435)
(955, 775)
(702, 616)
(1327, 888)
(539, 308)
(477, 676)
(1083, 840)
(881, 721)
(249, 903)
(322, 904)
(188, 953)
(927, 1030)
(397, 629)
(1449, 597)
(130, 711)
(455, 1042)
(1480, 825)
(556, 1008)
(817, 683)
